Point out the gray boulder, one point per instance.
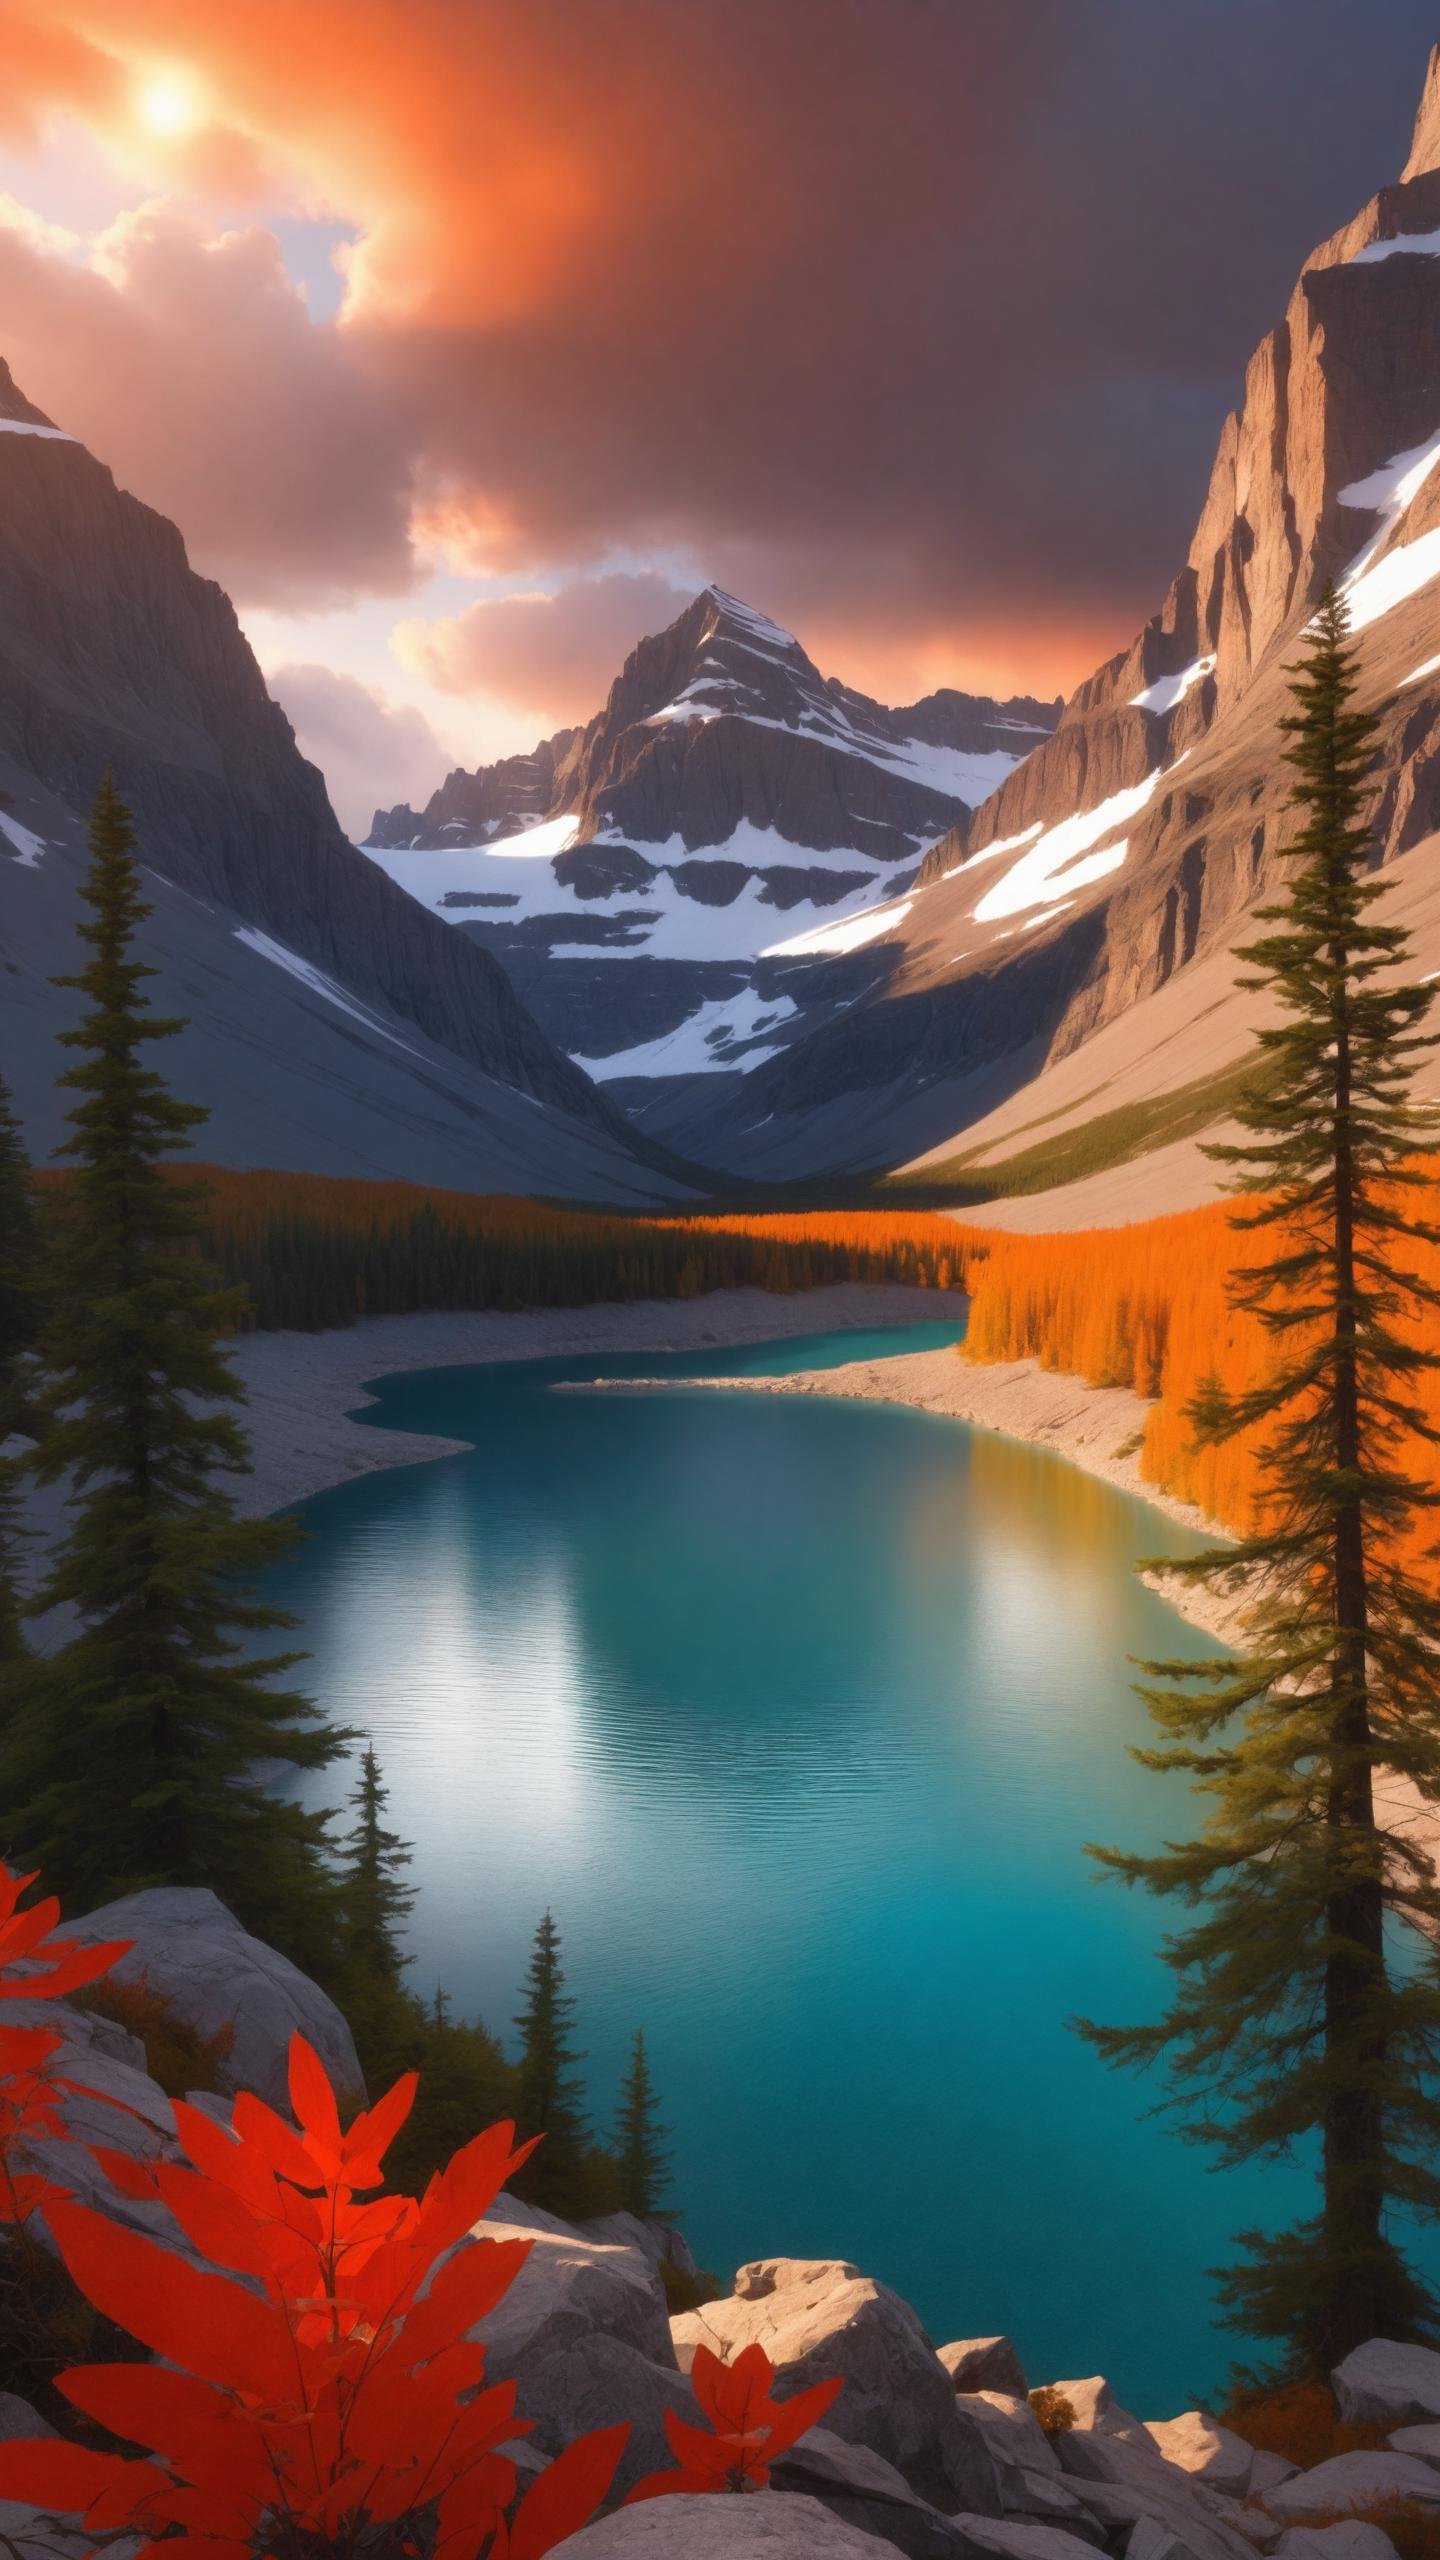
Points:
(569, 2291)
(583, 2332)
(1013, 2539)
(1123, 2488)
(1267, 2471)
(194, 1953)
(1351, 2540)
(767, 2526)
(111, 2100)
(657, 2241)
(818, 2317)
(1350, 2482)
(1423, 2442)
(1385, 2385)
(1010, 2429)
(859, 2487)
(1204, 2448)
(985, 2364)
(1098, 2411)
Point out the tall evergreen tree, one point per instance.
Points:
(641, 2159)
(549, 2098)
(1296, 2019)
(374, 1897)
(19, 1320)
(132, 1761)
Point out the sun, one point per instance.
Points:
(168, 105)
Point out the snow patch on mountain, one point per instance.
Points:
(705, 1042)
(28, 846)
(1384, 574)
(32, 427)
(1060, 861)
(1166, 691)
(317, 982)
(1409, 244)
(850, 933)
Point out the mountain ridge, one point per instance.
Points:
(115, 654)
(725, 808)
(1139, 836)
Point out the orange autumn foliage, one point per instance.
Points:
(1148, 1307)
(313, 1251)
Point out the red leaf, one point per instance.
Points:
(131, 2177)
(190, 2424)
(311, 2095)
(790, 2419)
(371, 2134)
(270, 2140)
(459, 2195)
(48, 2473)
(202, 2323)
(462, 2292)
(730, 2394)
(566, 2494)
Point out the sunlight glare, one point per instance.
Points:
(168, 105)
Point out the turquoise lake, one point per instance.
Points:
(798, 1714)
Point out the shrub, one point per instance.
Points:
(332, 2400)
(1298, 2420)
(749, 2427)
(177, 2057)
(1055, 2413)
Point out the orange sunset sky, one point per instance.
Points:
(463, 339)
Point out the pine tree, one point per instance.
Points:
(641, 2159)
(133, 1759)
(549, 2097)
(1297, 2020)
(374, 1898)
(19, 1320)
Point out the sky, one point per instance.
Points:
(465, 339)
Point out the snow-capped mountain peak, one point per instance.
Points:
(728, 799)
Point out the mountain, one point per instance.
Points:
(498, 800)
(334, 1024)
(672, 887)
(1135, 841)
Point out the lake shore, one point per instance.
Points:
(1098, 1428)
(301, 1389)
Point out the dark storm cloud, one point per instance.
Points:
(922, 314)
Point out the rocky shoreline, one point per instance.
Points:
(934, 2453)
(302, 1388)
(1097, 1428)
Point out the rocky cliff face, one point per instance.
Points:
(114, 653)
(714, 828)
(495, 801)
(1133, 840)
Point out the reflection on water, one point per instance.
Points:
(799, 1714)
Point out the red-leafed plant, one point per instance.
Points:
(331, 2400)
(750, 2428)
(34, 1965)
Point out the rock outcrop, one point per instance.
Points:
(903, 2463)
(819, 2317)
(230, 1988)
(706, 838)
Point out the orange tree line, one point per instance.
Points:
(1148, 1307)
(314, 1251)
